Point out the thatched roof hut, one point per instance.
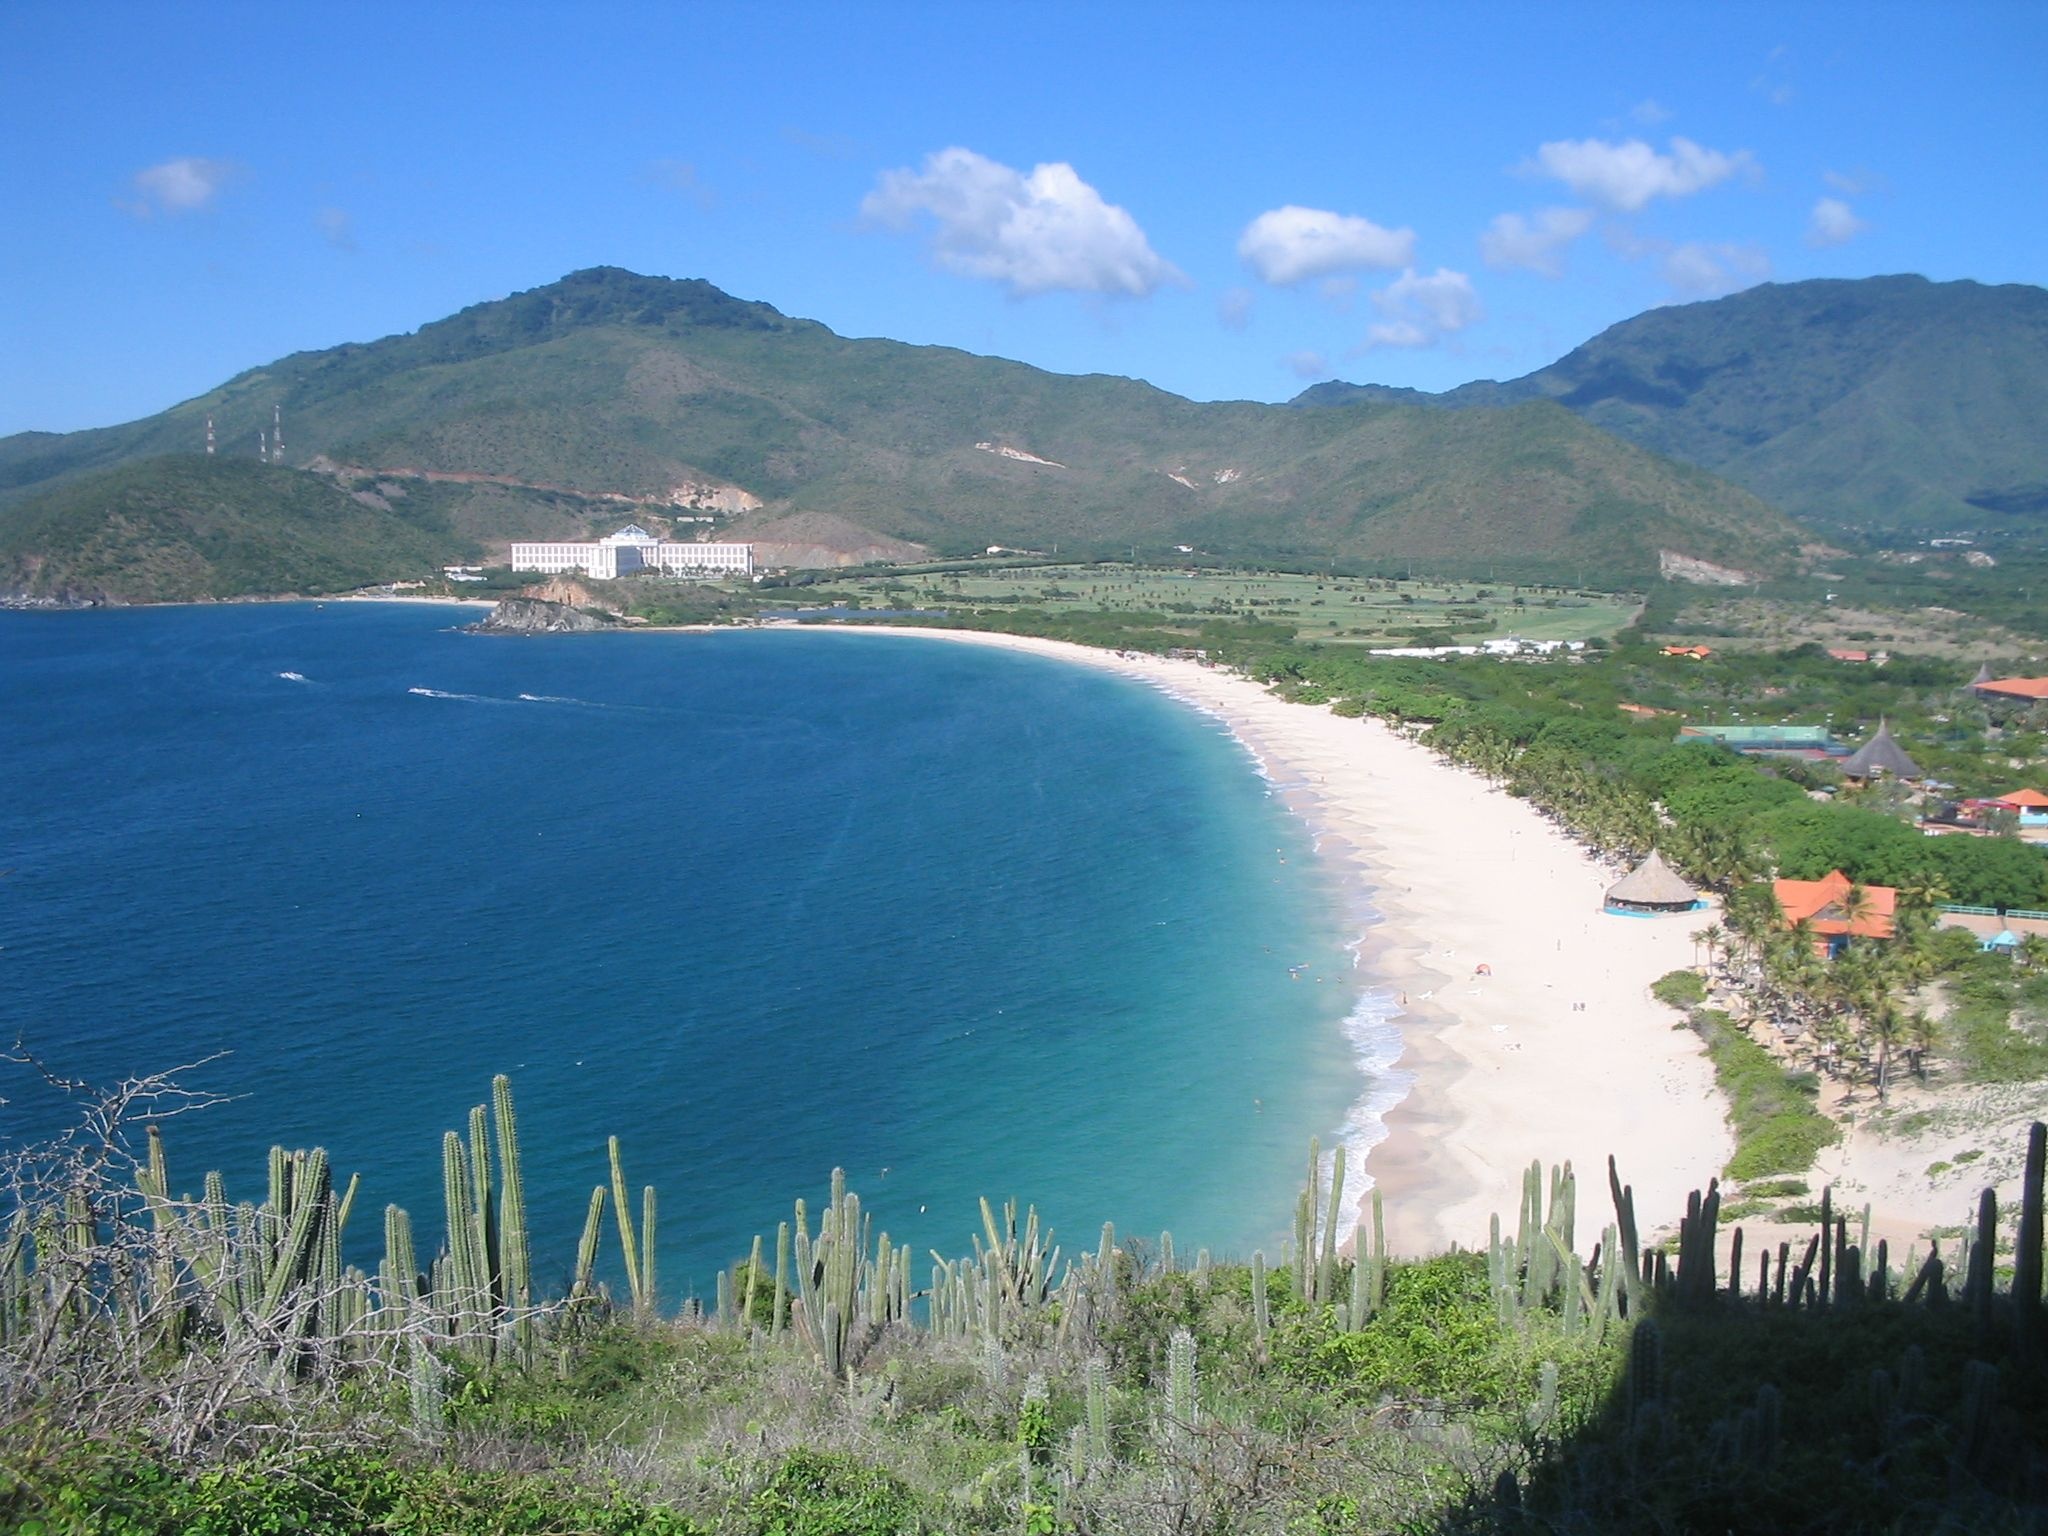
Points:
(1881, 754)
(1652, 886)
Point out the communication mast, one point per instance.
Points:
(209, 437)
(263, 445)
(277, 434)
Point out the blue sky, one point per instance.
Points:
(1229, 201)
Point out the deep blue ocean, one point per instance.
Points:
(962, 921)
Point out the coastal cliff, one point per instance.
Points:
(535, 616)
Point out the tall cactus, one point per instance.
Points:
(1183, 1391)
(586, 1247)
(2027, 1254)
(1326, 1264)
(645, 1291)
(515, 1257)
(627, 1240)
(1262, 1322)
(1097, 1394)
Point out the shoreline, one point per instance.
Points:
(1556, 1053)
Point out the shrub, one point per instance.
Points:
(1437, 1335)
(1680, 989)
(1777, 1128)
(818, 1493)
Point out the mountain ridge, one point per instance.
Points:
(670, 392)
(1880, 405)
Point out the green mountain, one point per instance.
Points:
(1880, 406)
(185, 527)
(564, 409)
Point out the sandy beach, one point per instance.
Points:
(1555, 1050)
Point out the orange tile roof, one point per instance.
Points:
(2016, 687)
(2023, 799)
(1696, 652)
(1817, 903)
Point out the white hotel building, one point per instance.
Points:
(631, 549)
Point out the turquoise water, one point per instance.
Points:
(960, 920)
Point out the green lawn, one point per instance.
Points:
(1338, 609)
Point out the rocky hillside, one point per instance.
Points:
(569, 405)
(186, 528)
(1880, 406)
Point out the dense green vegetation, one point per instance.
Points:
(611, 382)
(1554, 733)
(1998, 1028)
(189, 527)
(1874, 406)
(173, 1366)
(1778, 1128)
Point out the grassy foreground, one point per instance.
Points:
(191, 1366)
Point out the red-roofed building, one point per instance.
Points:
(1823, 906)
(1696, 652)
(2030, 690)
(2022, 800)
(1850, 655)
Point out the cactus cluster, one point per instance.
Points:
(849, 1287)
(1005, 1287)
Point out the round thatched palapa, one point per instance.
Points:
(1652, 886)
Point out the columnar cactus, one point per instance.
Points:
(515, 1258)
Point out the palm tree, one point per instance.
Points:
(1885, 1026)
(1920, 1032)
(1708, 938)
(1922, 891)
(1856, 905)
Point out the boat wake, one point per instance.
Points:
(293, 677)
(467, 698)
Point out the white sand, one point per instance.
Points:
(1505, 1069)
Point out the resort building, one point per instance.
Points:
(1653, 886)
(1808, 741)
(1881, 754)
(2025, 690)
(1832, 915)
(632, 549)
(2030, 805)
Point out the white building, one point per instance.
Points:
(631, 549)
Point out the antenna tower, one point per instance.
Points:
(263, 445)
(209, 437)
(277, 434)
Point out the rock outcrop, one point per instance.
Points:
(533, 616)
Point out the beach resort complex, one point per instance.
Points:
(633, 549)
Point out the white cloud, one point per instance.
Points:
(337, 227)
(1708, 269)
(1308, 365)
(1626, 176)
(679, 176)
(1856, 183)
(1418, 311)
(1537, 243)
(1234, 308)
(185, 185)
(1040, 233)
(1285, 245)
(1774, 81)
(1833, 222)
